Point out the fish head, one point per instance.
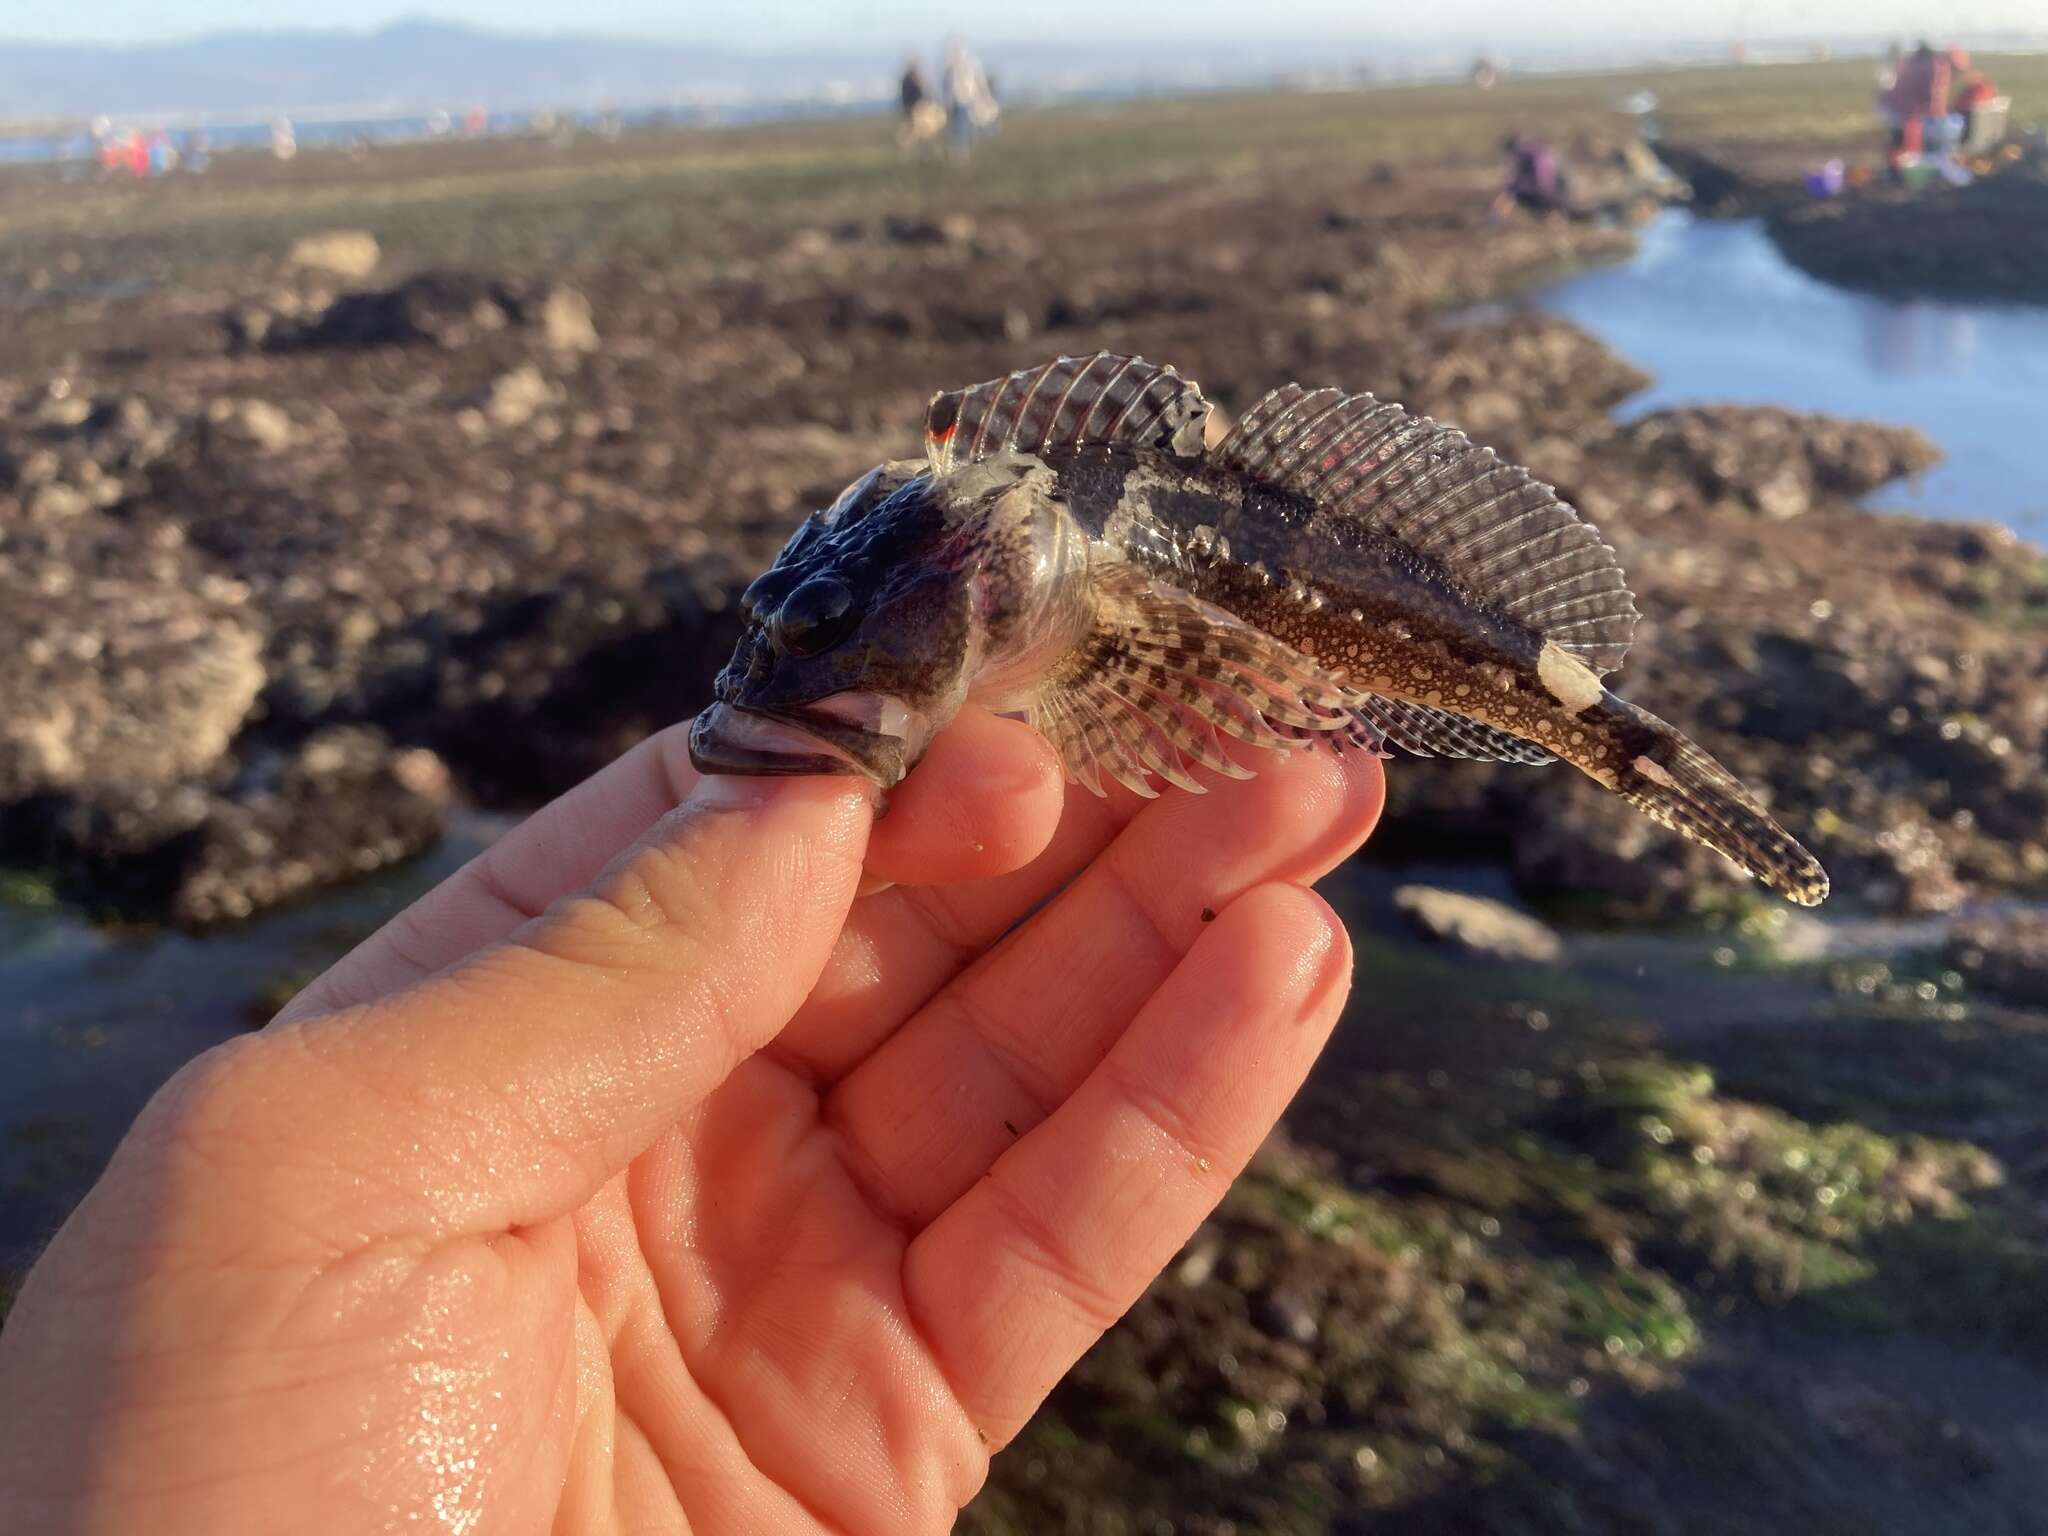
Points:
(862, 640)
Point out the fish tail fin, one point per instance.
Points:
(1673, 781)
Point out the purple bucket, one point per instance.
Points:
(1827, 181)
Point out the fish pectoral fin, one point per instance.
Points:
(1069, 402)
(1357, 733)
(1499, 531)
(1162, 676)
(1428, 732)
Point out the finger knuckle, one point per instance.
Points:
(1173, 1123)
(1036, 1245)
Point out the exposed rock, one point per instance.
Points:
(341, 805)
(445, 309)
(1581, 844)
(515, 397)
(259, 422)
(1478, 925)
(1978, 242)
(1287, 1313)
(2006, 955)
(948, 229)
(1725, 183)
(1779, 462)
(566, 321)
(120, 665)
(529, 591)
(346, 253)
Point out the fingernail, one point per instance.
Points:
(731, 791)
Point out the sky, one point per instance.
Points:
(770, 24)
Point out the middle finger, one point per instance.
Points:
(1000, 1048)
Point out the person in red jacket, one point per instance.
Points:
(1973, 93)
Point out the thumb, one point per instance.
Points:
(507, 1088)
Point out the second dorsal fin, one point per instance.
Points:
(1498, 530)
(1066, 403)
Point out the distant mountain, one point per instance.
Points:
(413, 66)
(419, 66)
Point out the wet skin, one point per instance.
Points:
(645, 1176)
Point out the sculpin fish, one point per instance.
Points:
(1335, 569)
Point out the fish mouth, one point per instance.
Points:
(848, 733)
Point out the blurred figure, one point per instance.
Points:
(971, 109)
(1918, 95)
(1977, 104)
(1536, 182)
(923, 118)
(914, 89)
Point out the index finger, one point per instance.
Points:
(983, 802)
(560, 848)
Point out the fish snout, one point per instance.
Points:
(766, 590)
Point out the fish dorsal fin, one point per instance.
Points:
(1163, 675)
(1430, 732)
(1066, 403)
(1498, 530)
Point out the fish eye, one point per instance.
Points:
(813, 618)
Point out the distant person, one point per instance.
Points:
(923, 117)
(970, 105)
(1974, 94)
(1536, 181)
(1919, 94)
(914, 88)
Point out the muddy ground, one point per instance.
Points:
(294, 561)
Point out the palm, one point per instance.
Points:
(785, 1331)
(713, 1198)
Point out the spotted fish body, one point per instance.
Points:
(1335, 569)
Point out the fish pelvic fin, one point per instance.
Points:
(1673, 781)
(1162, 677)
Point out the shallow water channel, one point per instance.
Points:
(93, 1019)
(1715, 314)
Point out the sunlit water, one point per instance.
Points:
(1715, 314)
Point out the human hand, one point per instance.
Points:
(646, 1176)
